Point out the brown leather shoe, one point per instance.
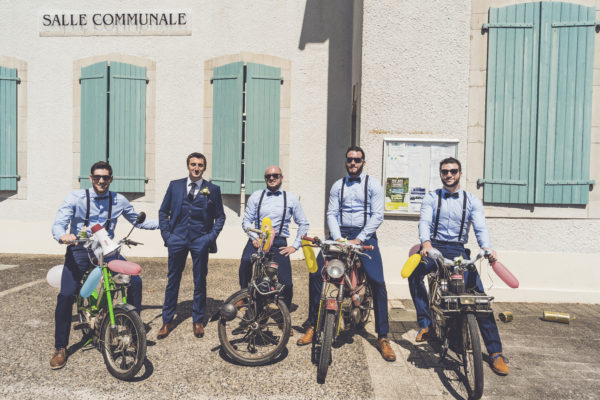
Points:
(59, 359)
(307, 337)
(498, 362)
(165, 330)
(386, 350)
(423, 335)
(198, 329)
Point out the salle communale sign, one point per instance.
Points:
(115, 23)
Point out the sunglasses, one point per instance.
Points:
(106, 178)
(452, 171)
(357, 160)
(274, 176)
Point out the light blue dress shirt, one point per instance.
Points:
(73, 209)
(353, 207)
(272, 207)
(450, 217)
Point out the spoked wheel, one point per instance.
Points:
(366, 306)
(124, 347)
(259, 331)
(327, 340)
(435, 300)
(471, 357)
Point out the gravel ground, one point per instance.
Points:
(180, 365)
(547, 360)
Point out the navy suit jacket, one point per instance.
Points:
(169, 214)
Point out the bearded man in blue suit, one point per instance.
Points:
(191, 217)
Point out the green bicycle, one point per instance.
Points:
(105, 318)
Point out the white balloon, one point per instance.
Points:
(54, 276)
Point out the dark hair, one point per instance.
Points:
(101, 165)
(195, 155)
(450, 160)
(356, 148)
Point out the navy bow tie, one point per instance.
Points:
(100, 197)
(357, 179)
(453, 195)
(277, 193)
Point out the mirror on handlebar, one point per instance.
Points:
(140, 218)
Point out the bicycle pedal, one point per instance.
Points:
(81, 325)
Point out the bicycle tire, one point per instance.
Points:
(254, 340)
(472, 359)
(123, 349)
(325, 354)
(435, 296)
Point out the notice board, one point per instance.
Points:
(411, 170)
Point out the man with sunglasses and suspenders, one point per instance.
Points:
(355, 211)
(446, 215)
(280, 206)
(83, 209)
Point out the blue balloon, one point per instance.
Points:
(91, 282)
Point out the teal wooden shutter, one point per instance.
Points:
(565, 103)
(228, 86)
(8, 128)
(127, 127)
(94, 103)
(511, 104)
(262, 123)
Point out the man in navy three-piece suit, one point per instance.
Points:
(191, 217)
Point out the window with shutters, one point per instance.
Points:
(9, 80)
(539, 103)
(245, 135)
(113, 123)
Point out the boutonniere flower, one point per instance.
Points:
(205, 191)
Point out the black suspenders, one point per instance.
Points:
(262, 195)
(365, 201)
(437, 214)
(87, 209)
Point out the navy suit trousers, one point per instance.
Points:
(285, 268)
(77, 262)
(178, 252)
(487, 324)
(374, 270)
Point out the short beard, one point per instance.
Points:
(357, 173)
(455, 184)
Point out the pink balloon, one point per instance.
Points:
(124, 267)
(414, 249)
(505, 274)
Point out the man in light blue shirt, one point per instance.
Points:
(81, 210)
(355, 211)
(446, 216)
(280, 206)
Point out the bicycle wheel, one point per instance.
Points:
(366, 306)
(124, 347)
(259, 331)
(471, 355)
(435, 300)
(325, 355)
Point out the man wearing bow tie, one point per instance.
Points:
(81, 210)
(191, 217)
(355, 211)
(280, 206)
(446, 215)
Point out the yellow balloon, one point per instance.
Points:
(410, 265)
(309, 257)
(267, 228)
